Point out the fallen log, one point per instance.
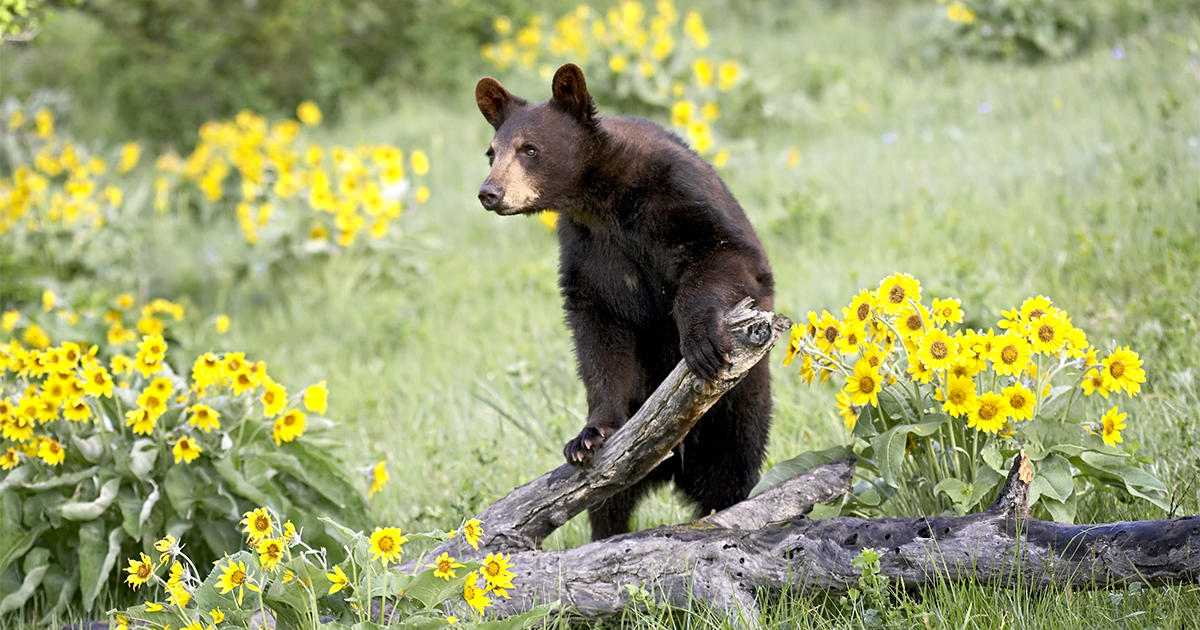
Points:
(766, 544)
(725, 566)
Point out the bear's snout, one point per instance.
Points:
(490, 195)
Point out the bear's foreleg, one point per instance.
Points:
(611, 374)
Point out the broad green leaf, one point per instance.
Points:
(983, 490)
(1138, 482)
(60, 481)
(431, 590)
(324, 474)
(958, 491)
(148, 507)
(16, 476)
(88, 510)
(131, 509)
(992, 457)
(60, 584)
(1063, 512)
(180, 487)
(867, 494)
(1053, 475)
(225, 468)
(91, 448)
(523, 620)
(15, 538)
(35, 565)
(889, 448)
(97, 556)
(801, 463)
(142, 456)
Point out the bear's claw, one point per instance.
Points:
(580, 450)
(708, 355)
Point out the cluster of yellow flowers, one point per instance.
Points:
(993, 380)
(267, 167)
(358, 189)
(278, 555)
(64, 185)
(627, 50)
(68, 381)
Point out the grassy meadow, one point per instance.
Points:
(1076, 179)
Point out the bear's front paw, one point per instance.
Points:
(579, 451)
(707, 353)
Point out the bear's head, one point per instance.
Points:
(540, 152)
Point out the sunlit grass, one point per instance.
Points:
(992, 182)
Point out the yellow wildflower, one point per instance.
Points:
(1113, 421)
(444, 566)
(379, 477)
(288, 427)
(315, 397)
(386, 544)
(186, 450)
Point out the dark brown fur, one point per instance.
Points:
(654, 250)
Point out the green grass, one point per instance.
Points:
(451, 358)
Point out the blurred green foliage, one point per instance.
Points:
(163, 67)
(1032, 30)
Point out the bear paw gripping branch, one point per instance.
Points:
(654, 250)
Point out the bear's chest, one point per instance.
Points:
(622, 273)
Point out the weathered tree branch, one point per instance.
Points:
(530, 513)
(726, 565)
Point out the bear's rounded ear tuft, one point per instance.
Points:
(495, 103)
(571, 95)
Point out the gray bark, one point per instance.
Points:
(726, 565)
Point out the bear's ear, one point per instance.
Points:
(571, 94)
(495, 103)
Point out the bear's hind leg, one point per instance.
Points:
(723, 454)
(612, 517)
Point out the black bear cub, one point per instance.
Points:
(653, 251)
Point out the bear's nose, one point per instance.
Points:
(490, 195)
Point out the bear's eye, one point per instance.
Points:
(529, 150)
(491, 156)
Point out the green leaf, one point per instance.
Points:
(1137, 482)
(323, 473)
(523, 620)
(240, 486)
(431, 590)
(958, 491)
(1060, 511)
(180, 487)
(142, 456)
(37, 562)
(18, 475)
(799, 464)
(60, 481)
(97, 556)
(88, 510)
(131, 508)
(91, 448)
(889, 447)
(1053, 435)
(992, 457)
(983, 489)
(15, 539)
(60, 585)
(1052, 477)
